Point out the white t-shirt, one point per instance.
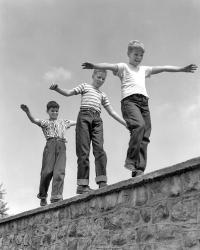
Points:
(132, 79)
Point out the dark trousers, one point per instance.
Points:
(89, 128)
(135, 111)
(53, 167)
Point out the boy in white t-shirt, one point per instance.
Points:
(134, 101)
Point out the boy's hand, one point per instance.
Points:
(87, 65)
(53, 86)
(24, 108)
(190, 68)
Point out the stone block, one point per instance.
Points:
(123, 218)
(124, 196)
(146, 214)
(83, 228)
(119, 240)
(102, 240)
(110, 201)
(130, 236)
(145, 234)
(160, 213)
(167, 232)
(165, 188)
(175, 245)
(72, 244)
(72, 229)
(112, 223)
(191, 182)
(185, 210)
(79, 209)
(191, 239)
(139, 196)
(84, 244)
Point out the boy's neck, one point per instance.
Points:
(94, 85)
(53, 119)
(135, 66)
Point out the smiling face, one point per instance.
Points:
(135, 56)
(99, 78)
(53, 113)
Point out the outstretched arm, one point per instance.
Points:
(106, 66)
(62, 91)
(28, 113)
(112, 113)
(159, 69)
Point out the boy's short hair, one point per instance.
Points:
(52, 104)
(99, 70)
(135, 44)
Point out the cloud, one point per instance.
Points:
(57, 75)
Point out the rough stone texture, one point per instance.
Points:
(157, 211)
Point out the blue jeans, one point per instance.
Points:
(89, 128)
(135, 111)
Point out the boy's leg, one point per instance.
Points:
(59, 171)
(145, 140)
(83, 140)
(132, 115)
(98, 151)
(47, 169)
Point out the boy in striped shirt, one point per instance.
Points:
(89, 129)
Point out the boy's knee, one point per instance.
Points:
(46, 174)
(99, 151)
(139, 126)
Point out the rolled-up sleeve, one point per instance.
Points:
(79, 89)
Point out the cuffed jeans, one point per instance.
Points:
(53, 166)
(89, 128)
(135, 111)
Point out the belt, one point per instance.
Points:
(136, 95)
(56, 139)
(90, 109)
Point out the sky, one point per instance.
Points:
(46, 41)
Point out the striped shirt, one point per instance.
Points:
(54, 128)
(91, 97)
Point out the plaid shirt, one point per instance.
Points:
(55, 128)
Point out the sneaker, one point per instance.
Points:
(83, 189)
(102, 184)
(136, 173)
(56, 200)
(43, 202)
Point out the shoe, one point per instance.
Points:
(43, 202)
(56, 200)
(81, 189)
(136, 173)
(102, 184)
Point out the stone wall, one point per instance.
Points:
(158, 211)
